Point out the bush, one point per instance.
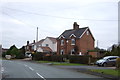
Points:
(79, 59)
(20, 56)
(37, 56)
(57, 58)
(118, 63)
(3, 54)
(47, 58)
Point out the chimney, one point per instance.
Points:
(33, 41)
(75, 26)
(27, 42)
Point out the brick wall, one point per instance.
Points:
(85, 43)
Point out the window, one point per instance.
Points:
(62, 52)
(87, 33)
(72, 51)
(72, 41)
(47, 45)
(62, 42)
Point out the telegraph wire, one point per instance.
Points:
(55, 16)
(27, 23)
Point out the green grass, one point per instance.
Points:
(60, 63)
(107, 71)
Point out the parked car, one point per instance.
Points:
(107, 61)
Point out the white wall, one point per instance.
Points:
(50, 44)
(39, 50)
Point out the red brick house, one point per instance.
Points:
(75, 41)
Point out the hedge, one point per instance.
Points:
(37, 56)
(57, 58)
(118, 63)
(47, 58)
(80, 59)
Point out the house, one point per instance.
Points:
(75, 41)
(4, 50)
(44, 49)
(49, 44)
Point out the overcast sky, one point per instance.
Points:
(19, 19)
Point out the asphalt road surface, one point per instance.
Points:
(24, 69)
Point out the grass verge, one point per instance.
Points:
(61, 63)
(107, 71)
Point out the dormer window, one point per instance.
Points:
(72, 41)
(62, 42)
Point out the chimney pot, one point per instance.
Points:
(75, 26)
(33, 41)
(27, 42)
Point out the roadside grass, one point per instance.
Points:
(114, 72)
(61, 63)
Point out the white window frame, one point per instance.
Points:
(72, 41)
(62, 42)
(61, 51)
(72, 50)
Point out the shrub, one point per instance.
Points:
(20, 56)
(3, 54)
(57, 58)
(37, 56)
(118, 63)
(47, 58)
(79, 59)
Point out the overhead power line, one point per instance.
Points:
(27, 23)
(55, 16)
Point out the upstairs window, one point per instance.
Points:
(62, 42)
(72, 41)
(47, 45)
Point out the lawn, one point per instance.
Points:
(61, 63)
(107, 71)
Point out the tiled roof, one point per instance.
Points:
(46, 49)
(76, 32)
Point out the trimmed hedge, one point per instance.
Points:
(80, 59)
(41, 56)
(118, 63)
(57, 58)
(47, 58)
(37, 56)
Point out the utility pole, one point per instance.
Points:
(37, 39)
(97, 48)
(97, 44)
(37, 35)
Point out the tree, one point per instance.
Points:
(14, 51)
(21, 53)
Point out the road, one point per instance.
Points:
(24, 69)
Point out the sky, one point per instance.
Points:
(19, 20)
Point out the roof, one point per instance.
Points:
(76, 32)
(46, 49)
(40, 42)
(52, 39)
